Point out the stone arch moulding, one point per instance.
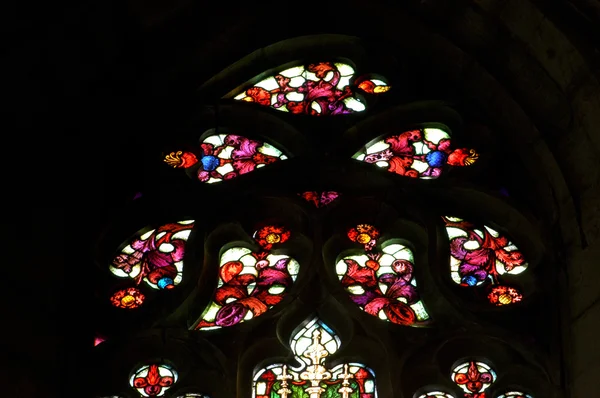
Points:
(282, 54)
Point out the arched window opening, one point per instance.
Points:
(400, 279)
(312, 346)
(380, 280)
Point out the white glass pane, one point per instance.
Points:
(435, 135)
(268, 84)
(345, 69)
(377, 147)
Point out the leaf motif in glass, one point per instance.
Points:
(154, 256)
(319, 199)
(420, 153)
(473, 378)
(503, 295)
(225, 156)
(481, 255)
(250, 283)
(153, 380)
(319, 89)
(311, 346)
(381, 281)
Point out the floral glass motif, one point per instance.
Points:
(155, 256)
(504, 295)
(420, 153)
(474, 378)
(127, 298)
(436, 394)
(319, 199)
(250, 283)
(225, 156)
(482, 255)
(380, 280)
(317, 89)
(311, 346)
(514, 394)
(153, 380)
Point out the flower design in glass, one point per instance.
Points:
(381, 281)
(127, 298)
(421, 153)
(155, 256)
(482, 255)
(225, 156)
(436, 394)
(153, 380)
(514, 394)
(321, 199)
(474, 378)
(311, 378)
(250, 283)
(317, 89)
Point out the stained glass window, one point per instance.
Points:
(311, 346)
(514, 394)
(193, 395)
(153, 380)
(155, 257)
(474, 378)
(250, 282)
(324, 88)
(420, 153)
(319, 199)
(380, 280)
(225, 156)
(436, 394)
(481, 255)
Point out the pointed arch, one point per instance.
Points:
(311, 346)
